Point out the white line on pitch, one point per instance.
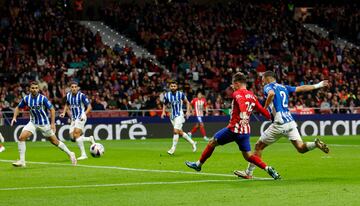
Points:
(115, 185)
(136, 169)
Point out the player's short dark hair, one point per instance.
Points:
(239, 77)
(173, 82)
(74, 82)
(270, 74)
(34, 83)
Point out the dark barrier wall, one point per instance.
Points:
(154, 127)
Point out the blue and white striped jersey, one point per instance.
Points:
(77, 104)
(38, 108)
(279, 107)
(176, 102)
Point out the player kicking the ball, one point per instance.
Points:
(77, 102)
(176, 99)
(277, 98)
(238, 129)
(39, 120)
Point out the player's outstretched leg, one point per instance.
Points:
(258, 162)
(321, 145)
(210, 147)
(64, 148)
(185, 136)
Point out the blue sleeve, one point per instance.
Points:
(85, 100)
(22, 104)
(166, 101)
(267, 88)
(47, 103)
(290, 88)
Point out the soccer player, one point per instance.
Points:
(2, 139)
(176, 99)
(277, 98)
(238, 129)
(199, 105)
(38, 105)
(77, 102)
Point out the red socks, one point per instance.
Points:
(206, 153)
(257, 161)
(202, 130)
(194, 129)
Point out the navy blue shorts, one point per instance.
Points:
(225, 136)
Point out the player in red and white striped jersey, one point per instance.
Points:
(199, 105)
(238, 129)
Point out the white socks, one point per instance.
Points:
(80, 143)
(250, 169)
(188, 138)
(310, 145)
(22, 150)
(64, 148)
(175, 140)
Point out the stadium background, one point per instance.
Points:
(200, 45)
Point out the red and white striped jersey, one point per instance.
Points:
(244, 102)
(199, 105)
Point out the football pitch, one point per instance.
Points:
(140, 172)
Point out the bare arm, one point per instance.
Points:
(306, 88)
(270, 98)
(66, 108)
(88, 109)
(16, 113)
(188, 107)
(52, 119)
(163, 111)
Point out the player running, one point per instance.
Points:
(39, 120)
(277, 98)
(176, 99)
(199, 105)
(77, 102)
(238, 129)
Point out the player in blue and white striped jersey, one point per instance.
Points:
(79, 106)
(277, 99)
(38, 105)
(176, 99)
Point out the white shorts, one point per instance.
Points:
(276, 131)
(178, 122)
(199, 118)
(44, 129)
(77, 124)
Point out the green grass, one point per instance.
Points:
(307, 179)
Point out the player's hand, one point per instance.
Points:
(62, 115)
(188, 114)
(53, 128)
(163, 115)
(326, 83)
(13, 121)
(83, 117)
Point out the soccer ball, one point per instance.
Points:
(97, 150)
(2, 148)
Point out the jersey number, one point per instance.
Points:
(250, 106)
(283, 96)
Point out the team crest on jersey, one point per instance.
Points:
(36, 107)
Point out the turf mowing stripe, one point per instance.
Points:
(116, 185)
(136, 169)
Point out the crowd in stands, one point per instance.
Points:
(342, 20)
(200, 46)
